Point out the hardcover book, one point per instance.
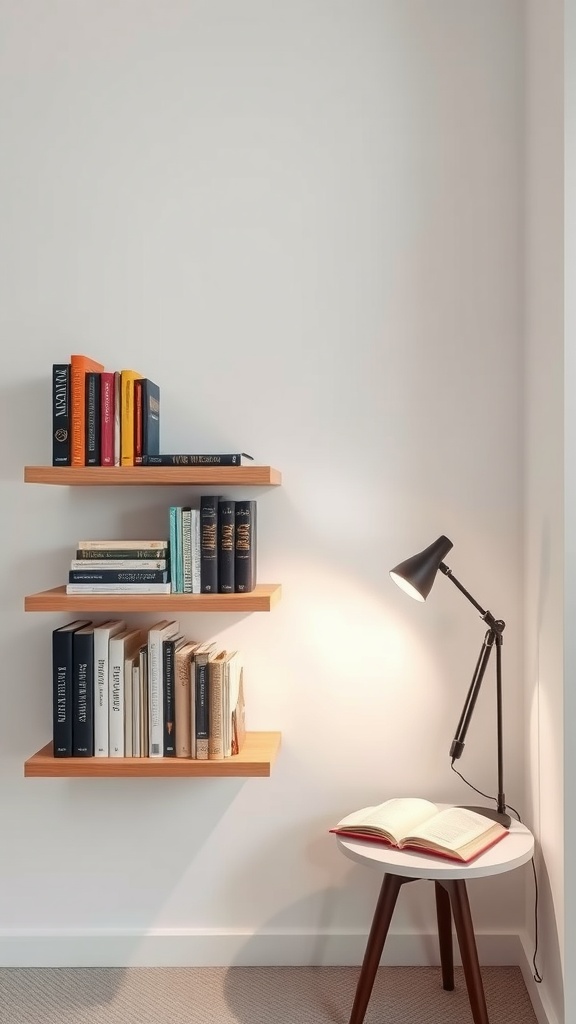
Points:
(218, 682)
(169, 648)
(80, 365)
(102, 634)
(182, 662)
(209, 543)
(202, 699)
(61, 446)
(62, 669)
(125, 554)
(122, 646)
(226, 545)
(245, 546)
(414, 824)
(118, 588)
(118, 576)
(92, 436)
(83, 692)
(195, 460)
(150, 419)
(127, 545)
(156, 635)
(107, 415)
(127, 378)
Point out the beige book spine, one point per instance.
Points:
(216, 737)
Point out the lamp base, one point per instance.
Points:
(489, 812)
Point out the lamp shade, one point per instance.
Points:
(417, 574)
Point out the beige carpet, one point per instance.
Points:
(250, 995)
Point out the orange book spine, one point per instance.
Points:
(79, 366)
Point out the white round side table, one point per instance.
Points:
(449, 877)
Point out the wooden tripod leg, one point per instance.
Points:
(465, 932)
(377, 937)
(444, 918)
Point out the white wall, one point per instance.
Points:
(544, 493)
(304, 221)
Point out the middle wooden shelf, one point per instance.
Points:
(261, 599)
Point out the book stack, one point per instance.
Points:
(123, 691)
(213, 547)
(102, 417)
(120, 567)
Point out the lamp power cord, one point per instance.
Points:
(536, 973)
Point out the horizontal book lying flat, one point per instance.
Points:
(118, 588)
(108, 545)
(226, 459)
(413, 824)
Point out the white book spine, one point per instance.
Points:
(102, 636)
(118, 588)
(128, 707)
(195, 532)
(132, 564)
(123, 545)
(155, 687)
(116, 697)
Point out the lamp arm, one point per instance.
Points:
(492, 638)
(457, 746)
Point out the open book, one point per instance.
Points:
(414, 824)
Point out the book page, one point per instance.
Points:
(393, 818)
(451, 828)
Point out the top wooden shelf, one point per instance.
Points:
(122, 476)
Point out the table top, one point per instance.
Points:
(510, 852)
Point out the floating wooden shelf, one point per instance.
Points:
(119, 476)
(262, 599)
(255, 761)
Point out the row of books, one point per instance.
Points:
(102, 417)
(212, 549)
(122, 691)
(112, 418)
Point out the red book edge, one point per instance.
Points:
(346, 834)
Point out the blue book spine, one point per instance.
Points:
(150, 418)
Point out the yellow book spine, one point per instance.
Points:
(127, 378)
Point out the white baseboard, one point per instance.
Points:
(537, 992)
(232, 948)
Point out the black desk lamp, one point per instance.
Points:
(415, 576)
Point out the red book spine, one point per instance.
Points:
(107, 399)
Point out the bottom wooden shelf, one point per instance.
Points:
(254, 761)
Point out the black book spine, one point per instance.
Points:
(62, 667)
(93, 416)
(226, 531)
(202, 708)
(245, 547)
(209, 543)
(83, 694)
(118, 576)
(192, 460)
(61, 414)
(168, 648)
